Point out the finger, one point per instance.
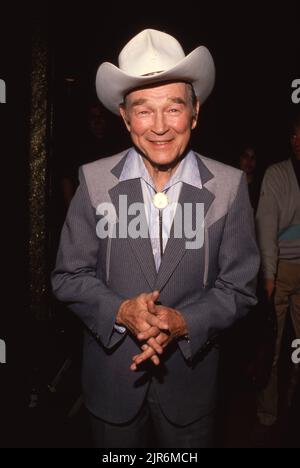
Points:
(155, 346)
(146, 321)
(155, 360)
(133, 367)
(135, 357)
(151, 307)
(156, 322)
(155, 295)
(138, 358)
(152, 332)
(163, 339)
(144, 356)
(144, 348)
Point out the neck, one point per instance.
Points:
(250, 178)
(160, 174)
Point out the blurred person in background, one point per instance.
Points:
(278, 227)
(248, 164)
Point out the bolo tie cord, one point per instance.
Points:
(161, 233)
(160, 217)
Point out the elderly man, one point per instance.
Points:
(154, 289)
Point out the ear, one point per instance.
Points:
(124, 116)
(195, 114)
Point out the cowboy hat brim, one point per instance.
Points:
(197, 68)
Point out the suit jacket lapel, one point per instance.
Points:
(140, 246)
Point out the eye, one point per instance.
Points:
(143, 112)
(173, 110)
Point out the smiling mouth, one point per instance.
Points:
(160, 143)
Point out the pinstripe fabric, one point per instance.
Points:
(212, 287)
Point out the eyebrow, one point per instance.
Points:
(141, 101)
(138, 102)
(177, 100)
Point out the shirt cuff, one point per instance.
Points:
(119, 328)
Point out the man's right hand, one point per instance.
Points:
(134, 315)
(269, 287)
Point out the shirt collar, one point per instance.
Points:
(187, 171)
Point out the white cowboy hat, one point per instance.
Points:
(152, 57)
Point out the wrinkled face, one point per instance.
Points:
(160, 120)
(295, 142)
(248, 161)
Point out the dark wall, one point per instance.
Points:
(15, 71)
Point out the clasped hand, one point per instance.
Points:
(155, 326)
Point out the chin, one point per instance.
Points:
(163, 159)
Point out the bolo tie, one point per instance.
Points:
(161, 201)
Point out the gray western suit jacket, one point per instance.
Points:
(212, 287)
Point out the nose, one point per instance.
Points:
(159, 126)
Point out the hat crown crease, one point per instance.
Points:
(150, 52)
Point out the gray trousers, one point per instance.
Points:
(151, 429)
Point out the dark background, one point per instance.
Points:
(256, 53)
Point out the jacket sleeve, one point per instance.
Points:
(267, 221)
(234, 291)
(74, 280)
